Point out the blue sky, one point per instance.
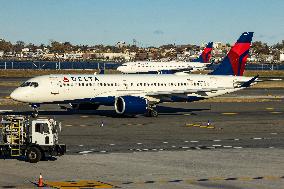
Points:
(150, 22)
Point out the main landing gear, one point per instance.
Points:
(151, 112)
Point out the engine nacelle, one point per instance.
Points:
(130, 105)
(85, 106)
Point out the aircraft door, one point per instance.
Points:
(125, 85)
(54, 88)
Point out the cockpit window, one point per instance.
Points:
(31, 84)
(34, 84)
(25, 84)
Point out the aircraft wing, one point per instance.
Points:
(175, 92)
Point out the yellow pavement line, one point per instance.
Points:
(210, 127)
(196, 125)
(199, 125)
(275, 112)
(269, 108)
(8, 97)
(245, 178)
(84, 116)
(78, 184)
(229, 113)
(186, 114)
(216, 178)
(271, 178)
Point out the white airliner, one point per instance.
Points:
(200, 63)
(134, 94)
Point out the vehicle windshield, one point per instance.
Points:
(31, 84)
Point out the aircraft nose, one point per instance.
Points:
(119, 68)
(15, 95)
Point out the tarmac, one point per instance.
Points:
(242, 147)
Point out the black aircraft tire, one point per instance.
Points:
(151, 113)
(154, 113)
(33, 155)
(35, 114)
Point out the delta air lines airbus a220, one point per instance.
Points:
(150, 67)
(139, 94)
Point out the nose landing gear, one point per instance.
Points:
(152, 111)
(35, 110)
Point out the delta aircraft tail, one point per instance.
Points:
(234, 62)
(206, 54)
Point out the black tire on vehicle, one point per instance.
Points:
(33, 155)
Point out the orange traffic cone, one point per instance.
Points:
(40, 181)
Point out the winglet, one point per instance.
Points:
(248, 83)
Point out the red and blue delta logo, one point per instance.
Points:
(65, 79)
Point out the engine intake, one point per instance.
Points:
(130, 105)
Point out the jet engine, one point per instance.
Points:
(130, 105)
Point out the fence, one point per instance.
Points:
(57, 65)
(102, 65)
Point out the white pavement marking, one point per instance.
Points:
(217, 145)
(216, 140)
(257, 138)
(211, 147)
(173, 146)
(275, 79)
(85, 152)
(185, 147)
(84, 116)
(193, 141)
(227, 146)
(185, 141)
(6, 110)
(81, 145)
(103, 151)
(165, 142)
(139, 143)
(161, 149)
(111, 144)
(236, 139)
(273, 133)
(238, 147)
(68, 125)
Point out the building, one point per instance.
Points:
(281, 57)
